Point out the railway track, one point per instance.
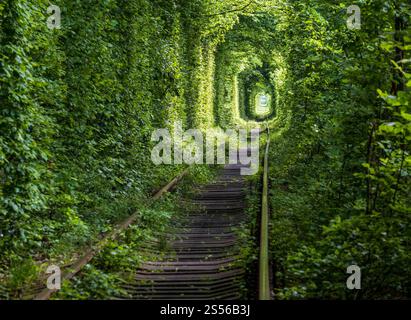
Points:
(204, 249)
(202, 261)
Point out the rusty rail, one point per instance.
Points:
(46, 293)
(264, 277)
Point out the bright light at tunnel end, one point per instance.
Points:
(195, 146)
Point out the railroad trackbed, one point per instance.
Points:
(200, 262)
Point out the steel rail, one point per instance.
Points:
(71, 271)
(264, 276)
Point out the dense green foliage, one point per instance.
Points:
(341, 172)
(78, 106)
